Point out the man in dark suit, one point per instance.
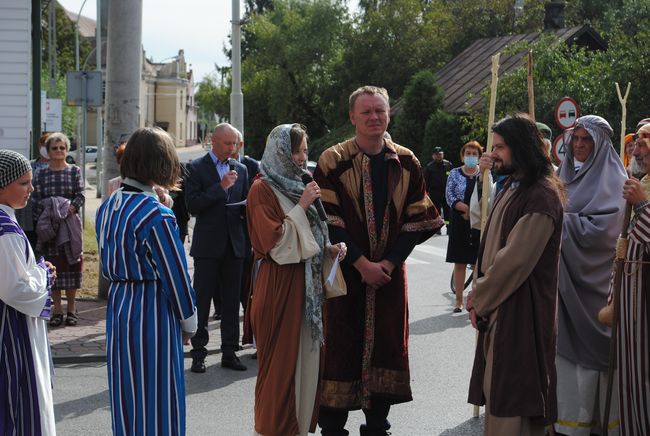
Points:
(214, 183)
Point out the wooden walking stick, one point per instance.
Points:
(531, 86)
(619, 263)
(488, 149)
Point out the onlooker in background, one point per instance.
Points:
(25, 216)
(547, 138)
(218, 242)
(292, 242)
(463, 242)
(151, 303)
(26, 396)
(58, 198)
(179, 206)
(435, 176)
(594, 176)
(632, 165)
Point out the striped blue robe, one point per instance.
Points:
(149, 298)
(26, 406)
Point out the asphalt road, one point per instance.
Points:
(220, 402)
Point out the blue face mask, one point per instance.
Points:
(471, 161)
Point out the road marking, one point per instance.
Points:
(428, 249)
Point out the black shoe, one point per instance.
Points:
(216, 316)
(232, 361)
(198, 366)
(364, 430)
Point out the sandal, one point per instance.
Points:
(71, 319)
(56, 320)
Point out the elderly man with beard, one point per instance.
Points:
(633, 340)
(594, 176)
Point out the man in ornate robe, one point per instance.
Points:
(633, 341)
(515, 295)
(374, 193)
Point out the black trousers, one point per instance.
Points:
(443, 208)
(220, 276)
(332, 421)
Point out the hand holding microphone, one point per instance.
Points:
(310, 195)
(230, 177)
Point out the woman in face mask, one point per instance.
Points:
(463, 241)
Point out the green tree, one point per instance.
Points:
(421, 98)
(443, 130)
(389, 43)
(287, 72)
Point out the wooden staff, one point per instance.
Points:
(531, 87)
(488, 149)
(619, 263)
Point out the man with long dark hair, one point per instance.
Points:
(514, 299)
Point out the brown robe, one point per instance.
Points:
(366, 331)
(517, 292)
(276, 311)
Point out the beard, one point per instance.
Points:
(504, 170)
(636, 168)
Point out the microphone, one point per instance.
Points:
(231, 164)
(307, 178)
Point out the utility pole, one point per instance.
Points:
(123, 70)
(36, 75)
(98, 115)
(51, 50)
(236, 95)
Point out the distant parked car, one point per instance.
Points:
(91, 155)
(311, 166)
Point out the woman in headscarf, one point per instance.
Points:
(26, 406)
(594, 176)
(286, 309)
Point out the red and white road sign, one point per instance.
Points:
(567, 112)
(559, 147)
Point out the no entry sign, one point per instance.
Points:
(566, 113)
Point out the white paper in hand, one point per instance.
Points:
(332, 274)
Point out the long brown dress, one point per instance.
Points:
(281, 332)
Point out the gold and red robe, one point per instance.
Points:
(366, 331)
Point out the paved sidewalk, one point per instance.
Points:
(86, 342)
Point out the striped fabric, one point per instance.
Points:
(149, 295)
(19, 408)
(633, 334)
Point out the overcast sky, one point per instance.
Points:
(200, 27)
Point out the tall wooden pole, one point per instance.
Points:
(531, 86)
(619, 262)
(488, 149)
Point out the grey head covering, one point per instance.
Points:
(592, 222)
(12, 166)
(280, 171)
